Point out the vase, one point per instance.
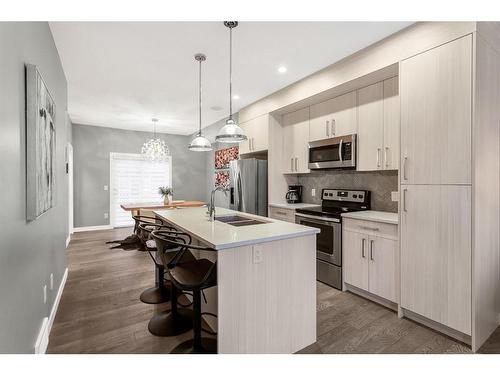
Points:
(167, 199)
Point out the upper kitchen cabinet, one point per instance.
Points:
(257, 132)
(391, 123)
(436, 112)
(370, 127)
(334, 117)
(295, 141)
(378, 126)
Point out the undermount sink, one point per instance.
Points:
(239, 221)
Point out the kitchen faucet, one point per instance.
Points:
(211, 207)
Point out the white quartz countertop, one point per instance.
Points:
(378, 216)
(293, 206)
(219, 235)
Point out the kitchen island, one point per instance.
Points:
(265, 299)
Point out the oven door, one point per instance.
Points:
(338, 152)
(328, 241)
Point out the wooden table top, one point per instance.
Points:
(157, 205)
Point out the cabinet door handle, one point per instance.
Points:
(378, 157)
(296, 162)
(404, 200)
(333, 127)
(405, 160)
(371, 250)
(385, 157)
(291, 164)
(363, 248)
(327, 126)
(369, 228)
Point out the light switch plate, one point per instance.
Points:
(51, 281)
(45, 294)
(394, 196)
(106, 215)
(313, 192)
(105, 187)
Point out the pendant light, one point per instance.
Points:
(231, 132)
(155, 149)
(200, 143)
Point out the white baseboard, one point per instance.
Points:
(87, 229)
(42, 341)
(68, 239)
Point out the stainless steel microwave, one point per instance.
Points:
(337, 152)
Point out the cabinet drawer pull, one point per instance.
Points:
(327, 128)
(378, 157)
(296, 162)
(371, 250)
(404, 199)
(363, 248)
(385, 157)
(291, 164)
(369, 228)
(333, 127)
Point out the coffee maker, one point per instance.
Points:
(294, 194)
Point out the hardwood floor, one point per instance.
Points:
(100, 311)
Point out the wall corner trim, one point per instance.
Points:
(88, 229)
(42, 341)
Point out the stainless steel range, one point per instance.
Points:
(328, 219)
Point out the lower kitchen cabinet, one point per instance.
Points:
(370, 257)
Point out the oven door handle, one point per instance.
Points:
(319, 219)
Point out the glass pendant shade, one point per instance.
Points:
(231, 132)
(200, 143)
(155, 149)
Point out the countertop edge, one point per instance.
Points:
(360, 216)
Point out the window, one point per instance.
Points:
(135, 179)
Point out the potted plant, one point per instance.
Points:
(166, 192)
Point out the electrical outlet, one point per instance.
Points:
(394, 196)
(45, 294)
(257, 254)
(51, 281)
(105, 187)
(313, 192)
(106, 215)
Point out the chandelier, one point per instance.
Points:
(155, 149)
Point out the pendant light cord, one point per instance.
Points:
(199, 84)
(230, 73)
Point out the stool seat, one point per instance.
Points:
(191, 275)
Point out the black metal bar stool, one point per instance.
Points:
(159, 293)
(195, 275)
(173, 321)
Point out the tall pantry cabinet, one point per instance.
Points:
(449, 260)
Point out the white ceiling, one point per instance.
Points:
(121, 74)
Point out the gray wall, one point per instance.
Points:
(29, 252)
(91, 148)
(380, 183)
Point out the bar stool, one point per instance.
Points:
(195, 275)
(159, 293)
(174, 321)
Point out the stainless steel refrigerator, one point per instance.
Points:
(248, 186)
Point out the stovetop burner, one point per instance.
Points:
(335, 202)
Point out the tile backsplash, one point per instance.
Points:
(380, 183)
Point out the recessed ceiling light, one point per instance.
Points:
(282, 69)
(236, 97)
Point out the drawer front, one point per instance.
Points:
(284, 214)
(371, 228)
